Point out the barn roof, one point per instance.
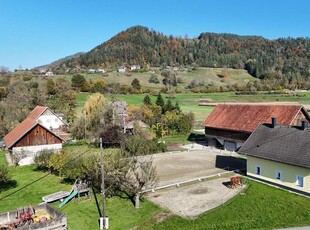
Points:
(244, 117)
(285, 144)
(21, 130)
(37, 112)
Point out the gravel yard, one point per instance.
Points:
(195, 199)
(190, 200)
(182, 166)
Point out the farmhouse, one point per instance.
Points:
(50, 120)
(121, 69)
(49, 73)
(29, 138)
(229, 125)
(280, 155)
(135, 67)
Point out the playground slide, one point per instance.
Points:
(73, 194)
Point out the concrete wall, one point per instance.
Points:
(288, 173)
(28, 153)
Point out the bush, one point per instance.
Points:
(4, 174)
(41, 159)
(5, 179)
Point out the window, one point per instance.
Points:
(278, 174)
(257, 171)
(300, 181)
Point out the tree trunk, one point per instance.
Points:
(137, 200)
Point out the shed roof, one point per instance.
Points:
(140, 123)
(21, 130)
(12, 137)
(37, 112)
(247, 117)
(285, 144)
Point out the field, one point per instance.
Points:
(209, 76)
(189, 101)
(259, 207)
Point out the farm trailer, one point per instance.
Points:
(57, 221)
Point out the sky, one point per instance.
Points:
(38, 32)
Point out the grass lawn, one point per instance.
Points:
(81, 214)
(260, 207)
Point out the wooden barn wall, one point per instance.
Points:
(227, 134)
(38, 136)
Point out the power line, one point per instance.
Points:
(47, 174)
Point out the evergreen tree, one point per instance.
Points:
(177, 108)
(160, 102)
(169, 106)
(136, 84)
(147, 100)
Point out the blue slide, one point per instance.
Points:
(73, 194)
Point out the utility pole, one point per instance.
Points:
(104, 220)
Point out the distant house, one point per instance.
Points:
(100, 70)
(280, 155)
(229, 126)
(91, 70)
(50, 120)
(135, 67)
(42, 71)
(49, 73)
(121, 69)
(29, 138)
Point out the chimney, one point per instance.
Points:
(273, 122)
(304, 125)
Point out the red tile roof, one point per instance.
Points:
(248, 117)
(18, 132)
(36, 112)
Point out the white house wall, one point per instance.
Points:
(29, 152)
(50, 121)
(289, 173)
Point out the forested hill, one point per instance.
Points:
(285, 58)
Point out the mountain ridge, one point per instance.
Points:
(261, 57)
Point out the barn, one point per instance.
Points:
(29, 138)
(229, 125)
(50, 120)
